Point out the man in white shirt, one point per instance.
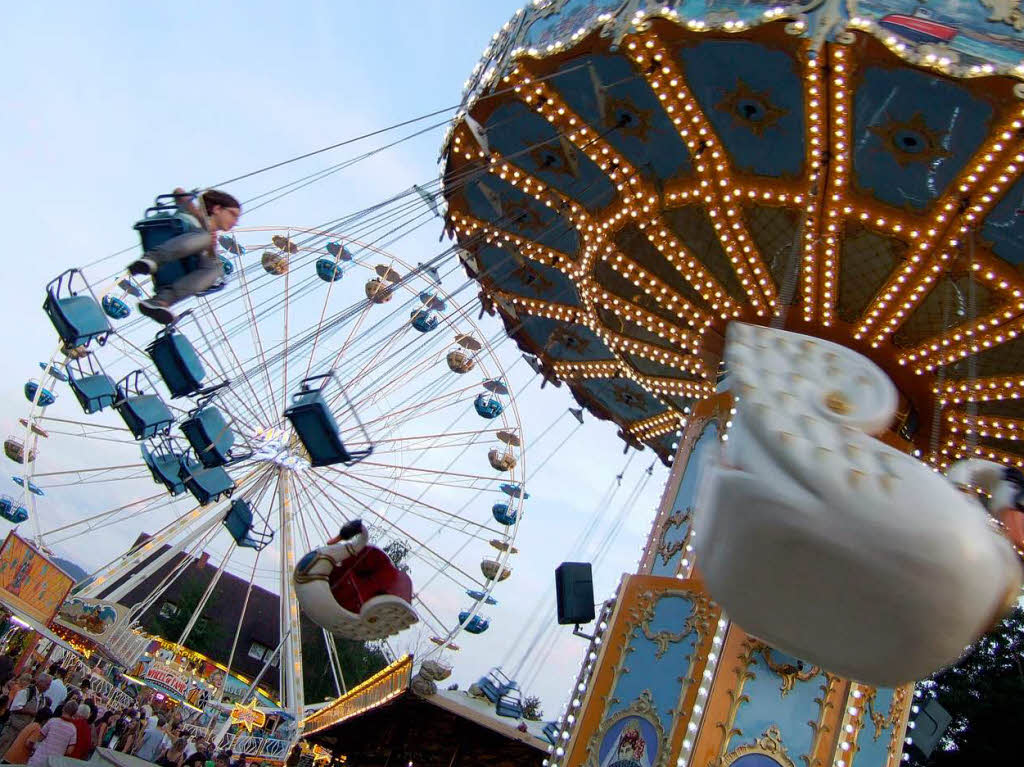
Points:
(58, 691)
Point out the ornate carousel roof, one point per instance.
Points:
(626, 177)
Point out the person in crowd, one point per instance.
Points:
(103, 729)
(154, 741)
(132, 733)
(58, 737)
(10, 690)
(83, 742)
(7, 661)
(21, 748)
(173, 756)
(79, 675)
(24, 707)
(57, 692)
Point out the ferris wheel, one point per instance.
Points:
(326, 381)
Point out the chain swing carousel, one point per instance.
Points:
(848, 176)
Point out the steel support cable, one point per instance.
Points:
(530, 676)
(540, 659)
(538, 615)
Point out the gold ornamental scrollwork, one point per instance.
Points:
(1006, 11)
(892, 716)
(667, 549)
(769, 744)
(697, 622)
(790, 673)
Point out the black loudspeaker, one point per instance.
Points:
(929, 726)
(574, 592)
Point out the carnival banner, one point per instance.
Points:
(30, 584)
(93, 618)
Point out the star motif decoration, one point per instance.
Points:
(751, 109)
(627, 119)
(911, 140)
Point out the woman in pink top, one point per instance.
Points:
(59, 737)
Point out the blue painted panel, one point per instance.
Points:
(645, 671)
(685, 496)
(532, 143)
(649, 140)
(753, 96)
(525, 276)
(498, 202)
(874, 748)
(623, 398)
(915, 132)
(791, 712)
(564, 341)
(1004, 226)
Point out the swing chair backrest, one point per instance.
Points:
(315, 425)
(177, 362)
(92, 387)
(239, 522)
(142, 409)
(74, 311)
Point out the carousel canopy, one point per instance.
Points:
(625, 178)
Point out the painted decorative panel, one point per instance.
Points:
(657, 665)
(780, 700)
(882, 729)
(675, 529)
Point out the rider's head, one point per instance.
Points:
(222, 210)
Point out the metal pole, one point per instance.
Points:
(206, 596)
(291, 651)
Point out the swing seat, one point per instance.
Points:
(207, 485)
(75, 313)
(238, 522)
(314, 423)
(166, 467)
(496, 684)
(510, 704)
(162, 222)
(94, 392)
(208, 432)
(143, 412)
(177, 362)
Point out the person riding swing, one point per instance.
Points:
(217, 212)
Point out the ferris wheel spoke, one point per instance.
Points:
(65, 472)
(84, 424)
(424, 470)
(238, 366)
(410, 373)
(417, 501)
(437, 627)
(254, 328)
(409, 536)
(418, 406)
(124, 507)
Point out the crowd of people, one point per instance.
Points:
(56, 713)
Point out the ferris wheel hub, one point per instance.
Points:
(282, 448)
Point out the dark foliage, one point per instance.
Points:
(984, 693)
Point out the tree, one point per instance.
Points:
(205, 635)
(532, 709)
(983, 694)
